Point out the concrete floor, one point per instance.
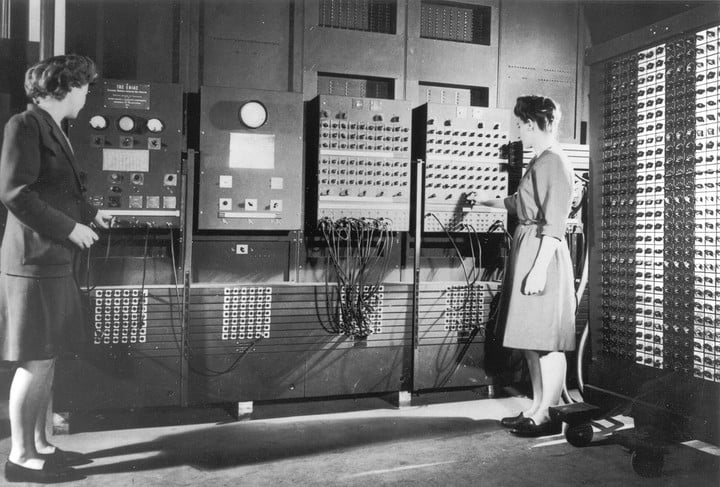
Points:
(449, 444)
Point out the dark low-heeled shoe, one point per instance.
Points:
(512, 421)
(49, 474)
(528, 429)
(64, 458)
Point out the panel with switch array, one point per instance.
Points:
(659, 223)
(457, 308)
(136, 318)
(251, 168)
(120, 316)
(462, 148)
(363, 159)
(134, 355)
(128, 140)
(451, 333)
(247, 313)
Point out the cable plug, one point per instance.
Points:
(471, 198)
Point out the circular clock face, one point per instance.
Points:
(126, 123)
(98, 122)
(155, 125)
(253, 114)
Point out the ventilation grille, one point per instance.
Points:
(361, 87)
(366, 15)
(455, 22)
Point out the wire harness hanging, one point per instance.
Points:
(358, 253)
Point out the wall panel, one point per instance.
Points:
(454, 63)
(247, 44)
(351, 52)
(538, 55)
(278, 341)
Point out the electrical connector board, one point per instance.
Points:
(250, 160)
(363, 159)
(128, 139)
(655, 295)
(463, 149)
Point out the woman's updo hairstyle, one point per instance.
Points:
(56, 76)
(540, 109)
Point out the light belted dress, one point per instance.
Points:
(544, 321)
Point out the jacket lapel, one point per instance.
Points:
(60, 139)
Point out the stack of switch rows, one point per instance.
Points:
(661, 290)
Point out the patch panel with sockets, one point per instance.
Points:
(371, 305)
(363, 166)
(467, 308)
(464, 149)
(121, 316)
(247, 313)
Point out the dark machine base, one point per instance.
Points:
(648, 451)
(648, 442)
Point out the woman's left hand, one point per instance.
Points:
(103, 219)
(535, 281)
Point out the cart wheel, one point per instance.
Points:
(647, 463)
(579, 435)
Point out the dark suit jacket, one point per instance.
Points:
(40, 184)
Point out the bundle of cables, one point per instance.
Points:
(473, 275)
(358, 253)
(463, 300)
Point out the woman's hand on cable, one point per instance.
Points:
(103, 219)
(535, 281)
(83, 236)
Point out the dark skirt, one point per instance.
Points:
(39, 318)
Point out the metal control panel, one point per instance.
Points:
(251, 160)
(462, 147)
(128, 140)
(659, 194)
(654, 286)
(362, 162)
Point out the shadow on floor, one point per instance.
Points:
(119, 419)
(231, 445)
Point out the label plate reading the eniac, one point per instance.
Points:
(127, 95)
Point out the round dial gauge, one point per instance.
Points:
(253, 114)
(98, 122)
(126, 123)
(155, 125)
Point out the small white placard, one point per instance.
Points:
(225, 181)
(251, 151)
(169, 202)
(126, 160)
(276, 183)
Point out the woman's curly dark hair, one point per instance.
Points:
(56, 76)
(540, 109)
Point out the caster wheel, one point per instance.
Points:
(579, 435)
(647, 463)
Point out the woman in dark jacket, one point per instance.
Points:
(48, 222)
